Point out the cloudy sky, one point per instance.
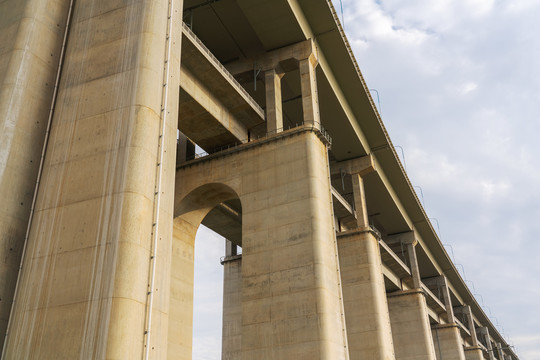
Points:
(459, 87)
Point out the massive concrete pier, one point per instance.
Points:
(127, 124)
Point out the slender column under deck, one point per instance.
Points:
(447, 338)
(366, 309)
(410, 326)
(472, 328)
(500, 353)
(308, 83)
(484, 332)
(274, 113)
(232, 304)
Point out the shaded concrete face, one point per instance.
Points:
(291, 306)
(31, 33)
(366, 310)
(448, 342)
(84, 289)
(410, 326)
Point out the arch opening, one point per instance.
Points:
(218, 208)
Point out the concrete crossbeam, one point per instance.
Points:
(276, 59)
(274, 112)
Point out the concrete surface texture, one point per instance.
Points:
(32, 34)
(410, 326)
(448, 342)
(126, 124)
(83, 289)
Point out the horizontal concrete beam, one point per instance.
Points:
(211, 103)
(362, 166)
(282, 60)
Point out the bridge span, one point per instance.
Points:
(129, 123)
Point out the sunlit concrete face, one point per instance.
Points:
(290, 298)
(32, 34)
(84, 288)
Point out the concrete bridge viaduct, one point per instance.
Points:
(102, 104)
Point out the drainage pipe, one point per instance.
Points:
(155, 234)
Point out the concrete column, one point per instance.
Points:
(232, 304)
(474, 353)
(448, 342)
(310, 97)
(359, 194)
(484, 333)
(85, 285)
(466, 310)
(364, 296)
(274, 113)
(291, 294)
(500, 354)
(413, 261)
(411, 330)
(447, 338)
(31, 33)
(185, 149)
(443, 284)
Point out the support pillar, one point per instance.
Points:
(500, 353)
(447, 338)
(467, 313)
(366, 309)
(364, 296)
(410, 326)
(310, 97)
(474, 353)
(274, 112)
(232, 304)
(484, 333)
(31, 33)
(448, 342)
(96, 271)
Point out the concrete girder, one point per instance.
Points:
(202, 104)
(281, 60)
(215, 109)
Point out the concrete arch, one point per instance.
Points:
(195, 205)
(190, 210)
(289, 286)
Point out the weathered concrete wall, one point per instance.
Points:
(31, 33)
(232, 310)
(291, 306)
(85, 282)
(364, 296)
(448, 342)
(410, 326)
